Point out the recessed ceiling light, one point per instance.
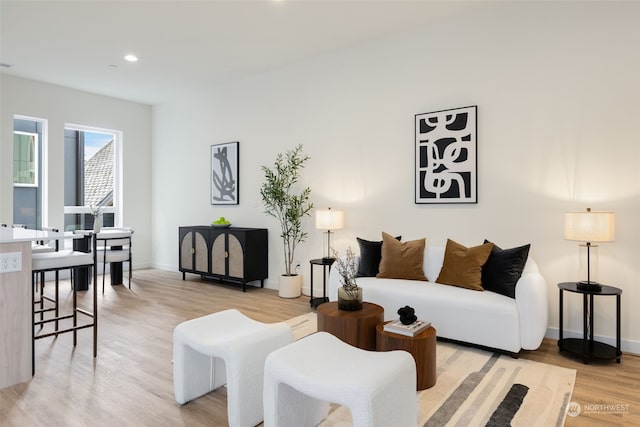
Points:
(131, 58)
(5, 65)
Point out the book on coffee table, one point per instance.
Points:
(410, 330)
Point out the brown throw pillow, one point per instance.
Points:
(462, 266)
(401, 260)
(370, 256)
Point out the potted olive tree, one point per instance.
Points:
(282, 202)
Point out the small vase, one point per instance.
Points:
(97, 223)
(350, 300)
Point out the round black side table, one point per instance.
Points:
(326, 264)
(586, 347)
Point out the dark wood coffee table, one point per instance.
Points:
(421, 346)
(357, 328)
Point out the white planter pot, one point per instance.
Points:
(290, 286)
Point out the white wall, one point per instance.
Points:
(61, 105)
(557, 96)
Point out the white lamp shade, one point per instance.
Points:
(589, 226)
(329, 219)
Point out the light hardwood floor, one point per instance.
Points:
(130, 382)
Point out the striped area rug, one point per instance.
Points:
(478, 388)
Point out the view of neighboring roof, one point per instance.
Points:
(98, 177)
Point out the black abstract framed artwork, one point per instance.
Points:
(225, 169)
(446, 156)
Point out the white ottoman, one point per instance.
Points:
(302, 378)
(204, 347)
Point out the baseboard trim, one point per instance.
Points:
(164, 267)
(627, 345)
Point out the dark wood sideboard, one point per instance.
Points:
(233, 254)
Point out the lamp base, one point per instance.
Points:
(588, 286)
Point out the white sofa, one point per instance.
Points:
(478, 317)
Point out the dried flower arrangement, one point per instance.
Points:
(347, 269)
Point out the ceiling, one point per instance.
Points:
(186, 45)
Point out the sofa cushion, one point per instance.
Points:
(503, 269)
(370, 256)
(462, 266)
(401, 260)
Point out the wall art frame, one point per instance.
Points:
(225, 174)
(446, 160)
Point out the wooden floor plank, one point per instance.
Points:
(130, 383)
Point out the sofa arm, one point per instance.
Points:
(533, 309)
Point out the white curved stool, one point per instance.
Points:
(226, 348)
(300, 380)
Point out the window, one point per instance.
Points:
(29, 157)
(25, 159)
(92, 175)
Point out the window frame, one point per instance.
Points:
(36, 151)
(117, 208)
(44, 164)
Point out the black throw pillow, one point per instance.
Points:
(370, 256)
(503, 269)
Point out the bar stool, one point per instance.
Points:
(65, 260)
(114, 246)
(44, 246)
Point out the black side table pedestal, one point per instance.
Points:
(586, 347)
(325, 263)
(82, 275)
(115, 269)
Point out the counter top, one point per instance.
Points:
(15, 235)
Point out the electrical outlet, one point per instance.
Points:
(10, 261)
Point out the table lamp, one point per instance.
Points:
(329, 219)
(589, 226)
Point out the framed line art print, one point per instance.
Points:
(225, 169)
(446, 156)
